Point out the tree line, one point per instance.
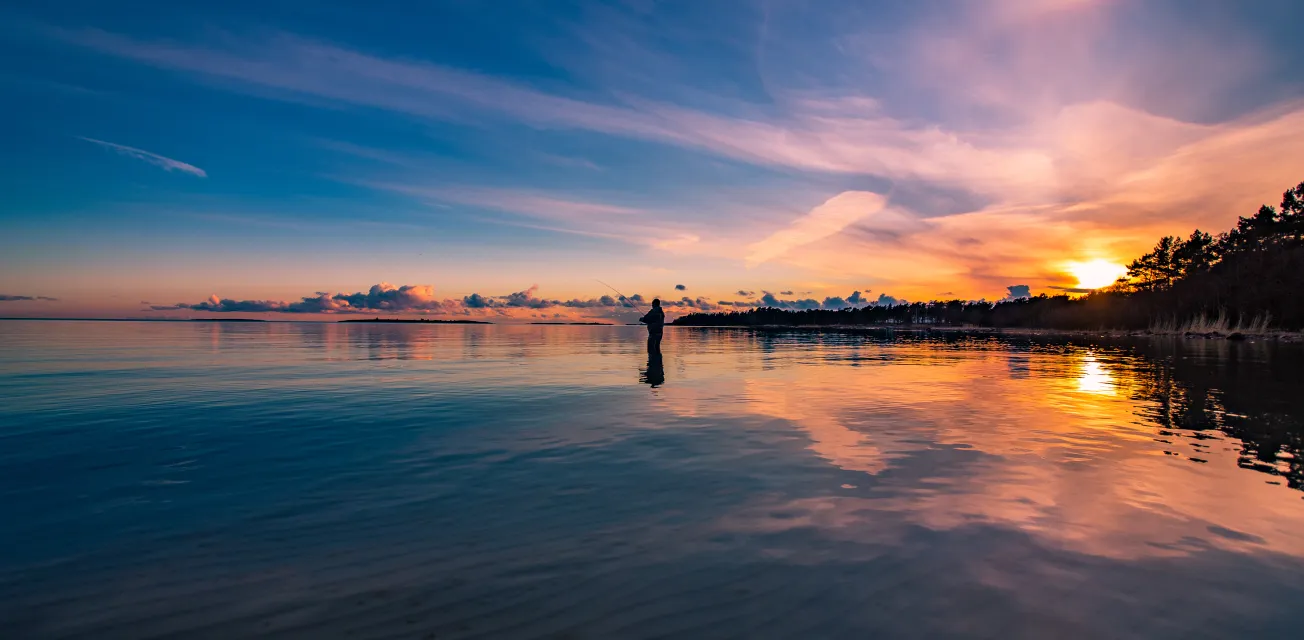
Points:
(1250, 275)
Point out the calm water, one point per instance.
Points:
(316, 480)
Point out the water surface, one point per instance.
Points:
(365, 481)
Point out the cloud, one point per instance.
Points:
(421, 299)
(884, 300)
(770, 300)
(528, 299)
(524, 202)
(805, 303)
(1017, 292)
(602, 302)
(700, 304)
(680, 287)
(167, 164)
(383, 297)
(214, 304)
(678, 242)
(823, 221)
(387, 297)
(1070, 289)
(1122, 164)
(10, 298)
(848, 134)
(1023, 69)
(855, 300)
(745, 293)
(547, 211)
(567, 161)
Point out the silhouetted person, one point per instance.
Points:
(655, 374)
(655, 321)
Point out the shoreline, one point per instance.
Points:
(1234, 336)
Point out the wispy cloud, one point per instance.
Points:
(677, 242)
(568, 161)
(557, 213)
(1074, 140)
(12, 298)
(823, 221)
(842, 135)
(530, 203)
(167, 164)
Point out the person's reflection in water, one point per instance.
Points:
(655, 373)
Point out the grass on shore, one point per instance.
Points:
(1220, 324)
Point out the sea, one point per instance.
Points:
(326, 480)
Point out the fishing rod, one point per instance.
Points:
(622, 297)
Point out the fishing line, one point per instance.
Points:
(623, 297)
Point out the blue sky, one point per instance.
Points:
(157, 154)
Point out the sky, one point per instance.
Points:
(517, 160)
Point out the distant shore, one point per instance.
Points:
(414, 321)
(1279, 336)
(578, 324)
(148, 320)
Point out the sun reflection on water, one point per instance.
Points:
(1095, 378)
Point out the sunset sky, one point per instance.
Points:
(291, 160)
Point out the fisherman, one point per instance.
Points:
(655, 321)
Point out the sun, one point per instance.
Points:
(1095, 274)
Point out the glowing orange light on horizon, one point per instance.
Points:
(1095, 274)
